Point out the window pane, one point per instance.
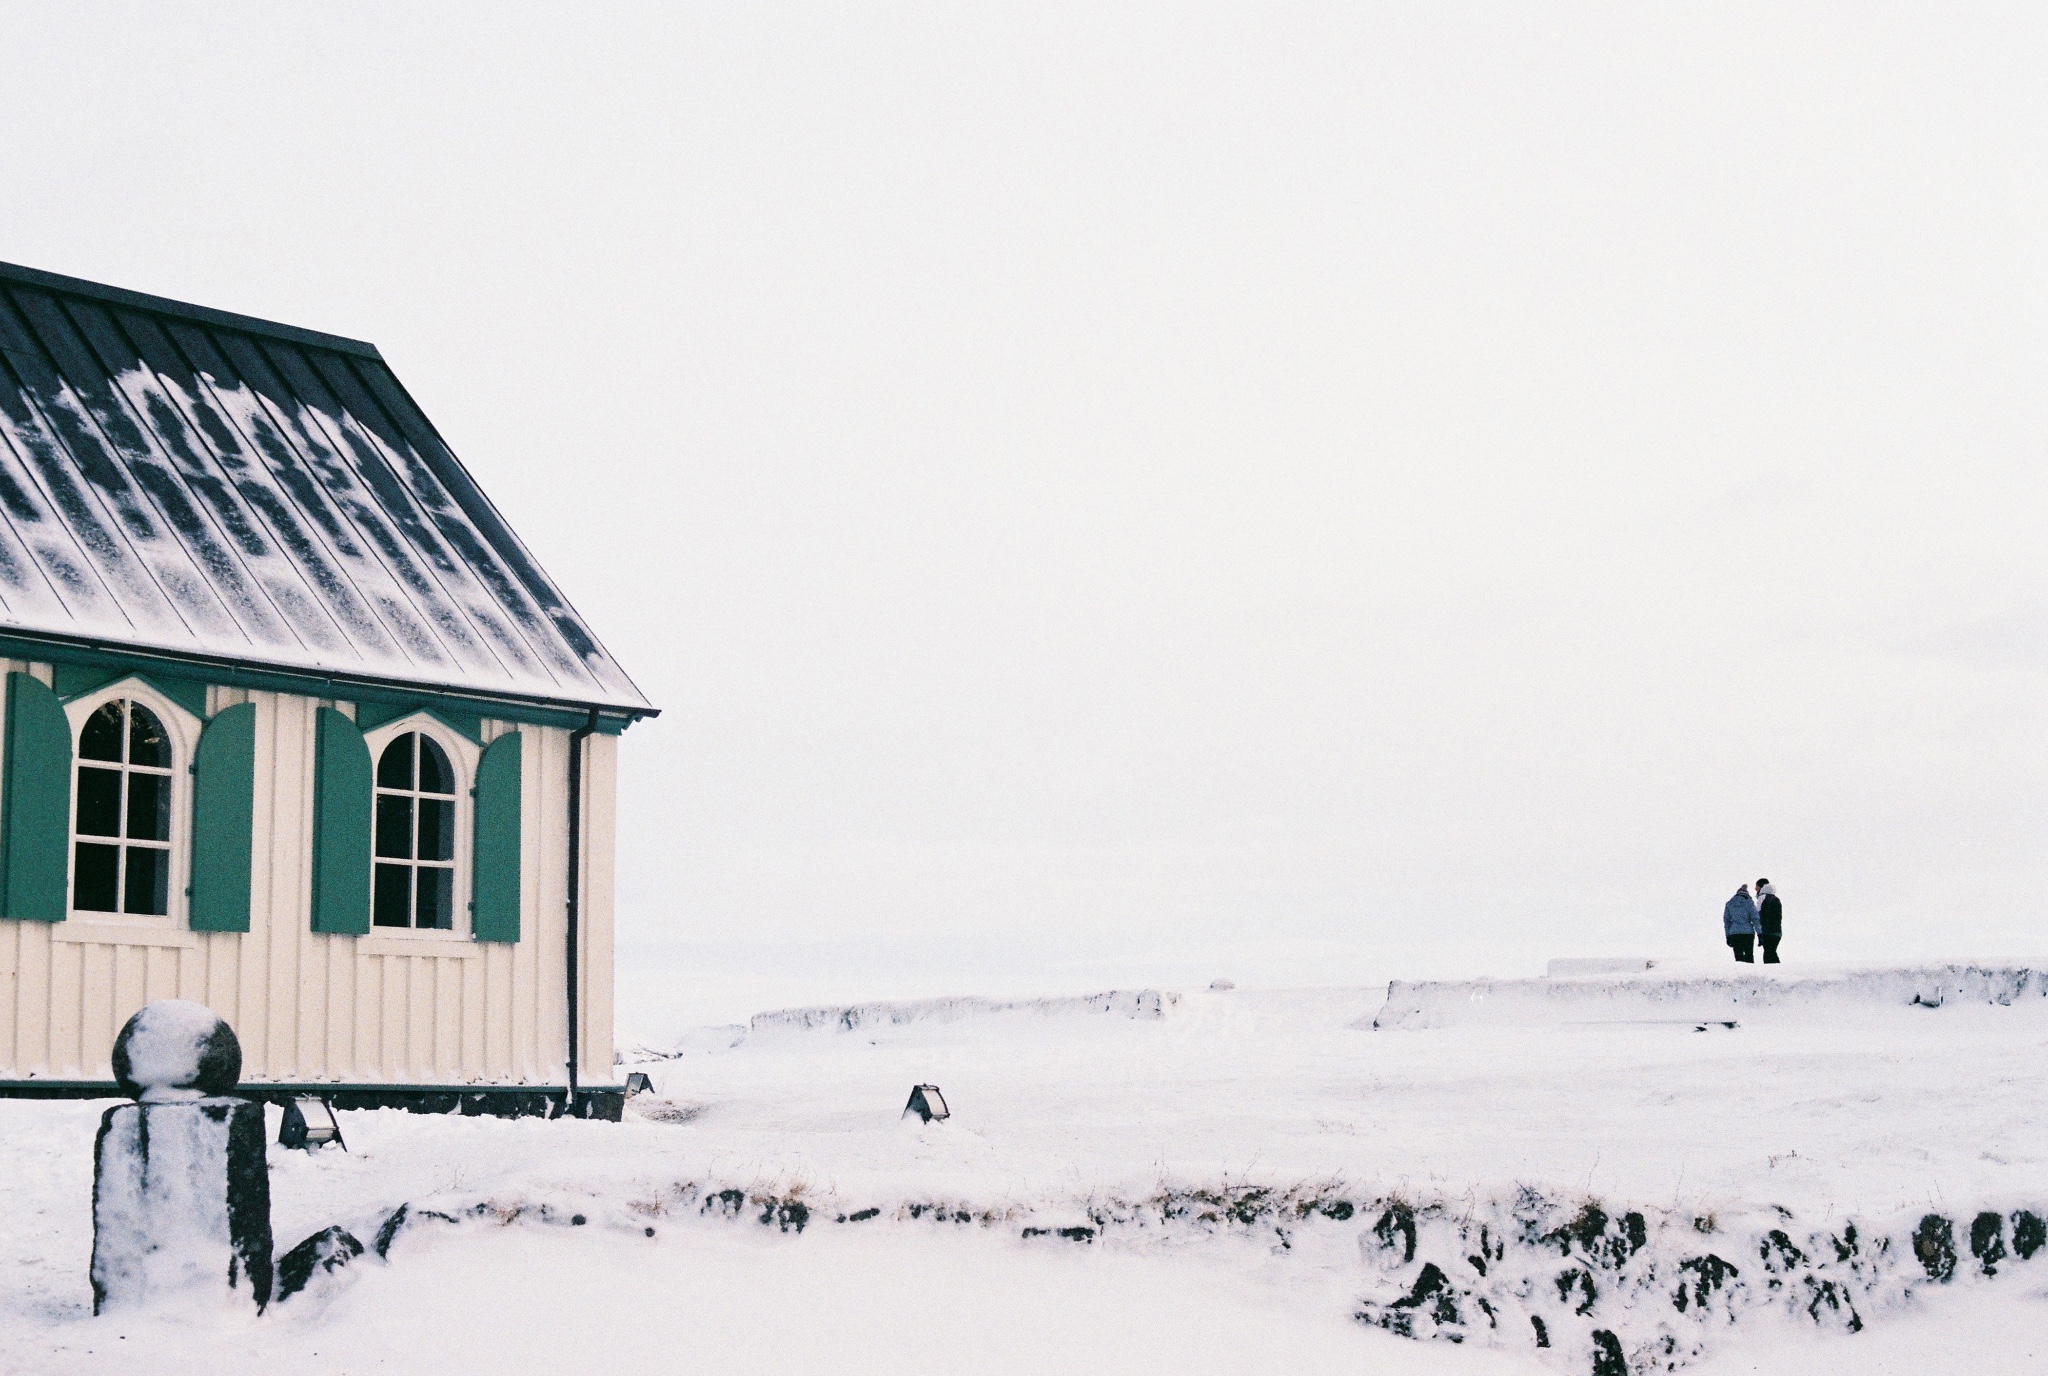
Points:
(99, 804)
(394, 769)
(100, 739)
(148, 883)
(394, 888)
(394, 827)
(436, 899)
(93, 887)
(437, 829)
(149, 806)
(147, 743)
(435, 774)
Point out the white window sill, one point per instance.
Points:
(456, 947)
(103, 931)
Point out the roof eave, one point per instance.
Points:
(228, 670)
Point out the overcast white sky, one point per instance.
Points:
(1110, 494)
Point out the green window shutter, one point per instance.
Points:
(341, 827)
(223, 820)
(35, 826)
(494, 887)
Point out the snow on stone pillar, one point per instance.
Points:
(181, 1186)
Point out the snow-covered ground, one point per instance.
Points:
(1226, 1181)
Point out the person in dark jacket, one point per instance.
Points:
(1739, 921)
(1770, 920)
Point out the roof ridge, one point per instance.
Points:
(164, 305)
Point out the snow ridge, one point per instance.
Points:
(1144, 1004)
(1680, 996)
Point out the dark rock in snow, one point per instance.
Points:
(1580, 1281)
(387, 1231)
(1987, 1241)
(1397, 1222)
(861, 1216)
(322, 1254)
(1491, 1249)
(2029, 1234)
(1432, 1295)
(1433, 1307)
(1251, 1205)
(1618, 1239)
(790, 1214)
(1542, 1333)
(1778, 1253)
(1934, 1242)
(1827, 1299)
(1709, 1275)
(1586, 1229)
(1603, 1240)
(1635, 1232)
(1607, 1358)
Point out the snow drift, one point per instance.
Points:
(1149, 1004)
(1676, 992)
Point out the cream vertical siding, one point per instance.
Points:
(337, 1009)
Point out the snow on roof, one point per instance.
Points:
(178, 479)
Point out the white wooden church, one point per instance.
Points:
(294, 726)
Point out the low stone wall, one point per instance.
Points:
(1587, 1286)
(1611, 1293)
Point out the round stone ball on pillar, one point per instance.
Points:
(175, 1049)
(181, 1181)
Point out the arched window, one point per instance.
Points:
(121, 855)
(415, 884)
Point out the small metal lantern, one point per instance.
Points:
(309, 1122)
(927, 1103)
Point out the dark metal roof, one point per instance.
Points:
(180, 479)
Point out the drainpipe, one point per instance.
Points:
(576, 739)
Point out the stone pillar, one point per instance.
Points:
(181, 1184)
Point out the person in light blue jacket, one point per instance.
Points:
(1739, 920)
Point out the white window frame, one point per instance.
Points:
(183, 729)
(463, 755)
